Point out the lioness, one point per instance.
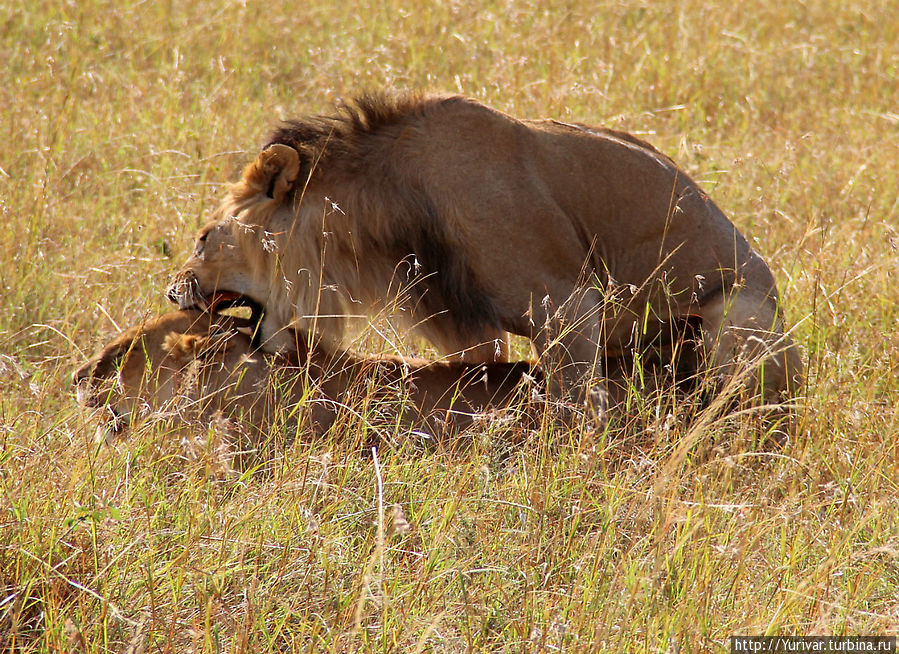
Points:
(474, 224)
(195, 364)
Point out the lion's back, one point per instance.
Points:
(533, 200)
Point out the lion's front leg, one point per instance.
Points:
(571, 353)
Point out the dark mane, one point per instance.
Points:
(343, 133)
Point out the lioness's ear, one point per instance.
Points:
(273, 172)
(186, 347)
(181, 347)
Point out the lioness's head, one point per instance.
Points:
(161, 365)
(237, 255)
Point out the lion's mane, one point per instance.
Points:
(332, 264)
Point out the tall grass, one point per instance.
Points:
(119, 123)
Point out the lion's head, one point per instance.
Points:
(236, 253)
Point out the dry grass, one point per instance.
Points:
(120, 122)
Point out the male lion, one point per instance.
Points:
(473, 224)
(195, 365)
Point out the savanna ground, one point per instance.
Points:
(120, 122)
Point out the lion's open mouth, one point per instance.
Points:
(185, 292)
(244, 307)
(220, 300)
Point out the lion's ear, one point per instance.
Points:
(273, 172)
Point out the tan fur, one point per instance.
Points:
(472, 224)
(194, 365)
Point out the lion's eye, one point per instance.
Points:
(201, 243)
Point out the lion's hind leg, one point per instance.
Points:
(747, 350)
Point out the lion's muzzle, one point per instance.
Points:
(185, 291)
